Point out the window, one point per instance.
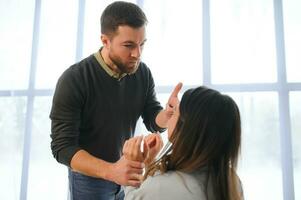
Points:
(12, 124)
(292, 24)
(295, 99)
(260, 163)
(243, 41)
(57, 41)
(15, 37)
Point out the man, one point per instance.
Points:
(97, 103)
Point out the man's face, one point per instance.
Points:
(126, 47)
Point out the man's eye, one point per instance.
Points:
(128, 46)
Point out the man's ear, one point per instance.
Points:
(105, 41)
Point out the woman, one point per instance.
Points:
(205, 133)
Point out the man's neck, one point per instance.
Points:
(105, 56)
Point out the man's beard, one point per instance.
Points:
(124, 68)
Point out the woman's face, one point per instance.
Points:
(173, 121)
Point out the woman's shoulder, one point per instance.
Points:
(178, 176)
(171, 185)
(180, 184)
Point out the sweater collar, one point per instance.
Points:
(109, 71)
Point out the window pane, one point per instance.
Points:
(12, 121)
(45, 174)
(260, 163)
(292, 32)
(243, 41)
(295, 109)
(16, 19)
(173, 50)
(57, 41)
(91, 30)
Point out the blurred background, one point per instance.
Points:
(245, 48)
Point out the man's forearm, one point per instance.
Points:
(89, 165)
(122, 172)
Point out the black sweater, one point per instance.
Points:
(93, 111)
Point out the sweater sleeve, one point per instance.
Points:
(152, 106)
(66, 117)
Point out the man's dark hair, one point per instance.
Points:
(121, 13)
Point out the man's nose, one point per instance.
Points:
(136, 53)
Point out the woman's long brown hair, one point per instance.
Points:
(207, 135)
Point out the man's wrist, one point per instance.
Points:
(106, 171)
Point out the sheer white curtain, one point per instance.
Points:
(247, 49)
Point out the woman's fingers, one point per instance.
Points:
(131, 149)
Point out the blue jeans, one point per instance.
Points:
(83, 187)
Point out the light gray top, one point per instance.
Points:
(172, 185)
